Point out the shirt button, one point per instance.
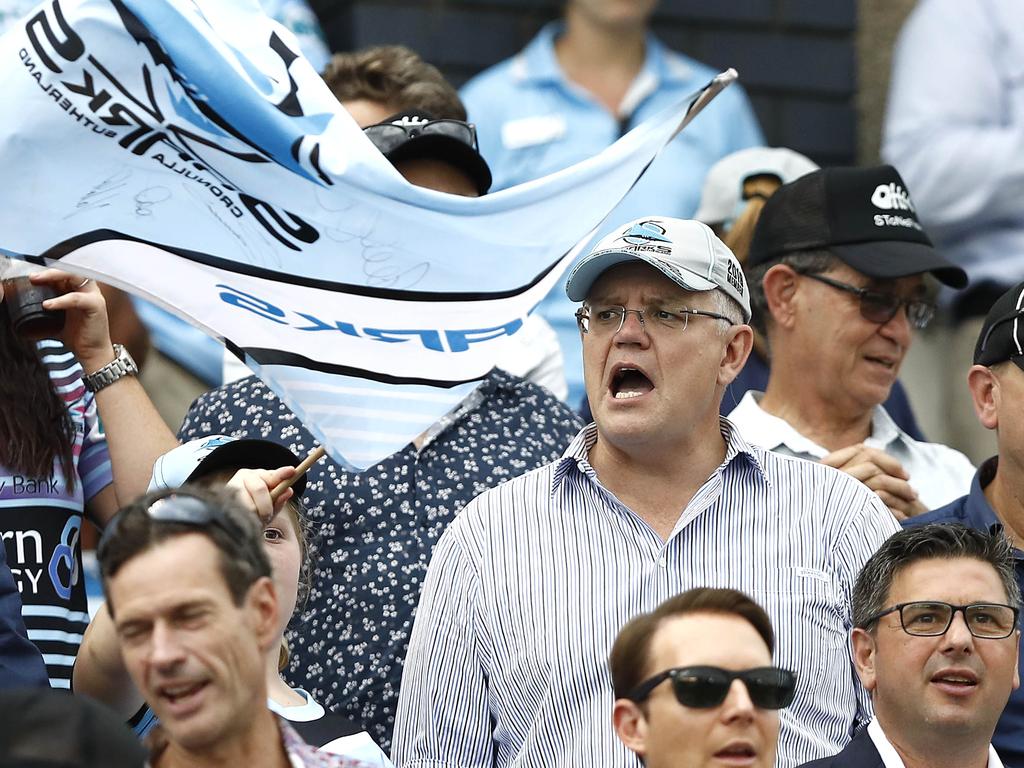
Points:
(662, 562)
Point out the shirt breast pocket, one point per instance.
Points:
(809, 615)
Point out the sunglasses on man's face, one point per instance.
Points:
(879, 307)
(706, 687)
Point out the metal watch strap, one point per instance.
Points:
(122, 365)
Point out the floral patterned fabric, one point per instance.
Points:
(378, 529)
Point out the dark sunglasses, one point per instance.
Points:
(178, 508)
(705, 687)
(389, 136)
(878, 307)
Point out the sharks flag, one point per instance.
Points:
(183, 150)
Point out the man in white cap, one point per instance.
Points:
(528, 587)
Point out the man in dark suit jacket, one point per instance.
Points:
(935, 643)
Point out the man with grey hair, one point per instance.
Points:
(529, 586)
(837, 271)
(935, 643)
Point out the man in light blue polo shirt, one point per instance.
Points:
(577, 87)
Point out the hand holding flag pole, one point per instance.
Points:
(314, 456)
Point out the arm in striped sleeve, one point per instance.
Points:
(443, 718)
(865, 533)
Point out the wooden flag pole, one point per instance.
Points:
(314, 456)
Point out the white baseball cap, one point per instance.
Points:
(722, 197)
(196, 458)
(687, 252)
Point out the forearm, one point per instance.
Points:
(136, 434)
(99, 670)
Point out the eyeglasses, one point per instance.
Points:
(705, 687)
(608, 320)
(931, 618)
(877, 307)
(388, 136)
(175, 508)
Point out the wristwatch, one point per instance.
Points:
(122, 365)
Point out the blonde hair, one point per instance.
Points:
(756, 191)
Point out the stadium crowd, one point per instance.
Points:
(738, 549)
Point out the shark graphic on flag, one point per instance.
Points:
(183, 150)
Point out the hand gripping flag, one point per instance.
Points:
(184, 151)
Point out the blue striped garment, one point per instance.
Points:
(40, 521)
(507, 663)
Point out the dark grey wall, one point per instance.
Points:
(795, 57)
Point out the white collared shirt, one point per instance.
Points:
(937, 472)
(891, 759)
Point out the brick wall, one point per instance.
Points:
(795, 57)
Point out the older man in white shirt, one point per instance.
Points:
(837, 272)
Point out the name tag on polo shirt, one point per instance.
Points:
(530, 131)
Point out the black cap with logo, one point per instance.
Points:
(1002, 335)
(862, 215)
(419, 135)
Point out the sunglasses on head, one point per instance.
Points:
(178, 508)
(389, 136)
(705, 687)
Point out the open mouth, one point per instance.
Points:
(739, 753)
(181, 696)
(886, 362)
(956, 681)
(628, 382)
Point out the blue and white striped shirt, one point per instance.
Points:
(508, 660)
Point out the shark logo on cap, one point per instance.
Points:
(215, 442)
(644, 232)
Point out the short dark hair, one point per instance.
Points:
(629, 656)
(805, 262)
(242, 557)
(928, 542)
(395, 76)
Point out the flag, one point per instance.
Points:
(184, 151)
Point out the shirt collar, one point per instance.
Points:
(298, 750)
(891, 758)
(885, 431)
(576, 456)
(537, 62)
(770, 431)
(978, 513)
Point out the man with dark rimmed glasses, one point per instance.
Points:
(996, 384)
(694, 682)
(530, 584)
(190, 592)
(837, 272)
(936, 612)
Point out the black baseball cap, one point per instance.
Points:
(1002, 335)
(419, 135)
(862, 215)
